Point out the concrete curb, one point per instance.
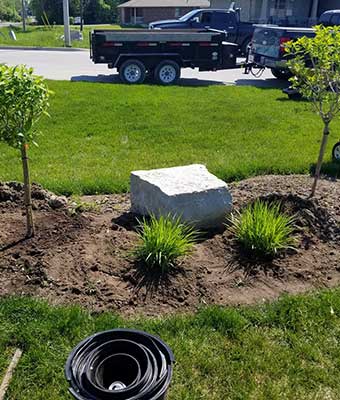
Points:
(71, 49)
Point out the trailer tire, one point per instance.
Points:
(132, 72)
(336, 152)
(283, 74)
(167, 73)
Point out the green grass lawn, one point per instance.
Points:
(41, 36)
(99, 133)
(285, 350)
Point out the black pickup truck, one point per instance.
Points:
(267, 47)
(224, 20)
(161, 54)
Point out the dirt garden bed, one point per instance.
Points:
(86, 258)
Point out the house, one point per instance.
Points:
(139, 12)
(285, 12)
(282, 12)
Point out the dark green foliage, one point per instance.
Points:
(95, 11)
(162, 241)
(9, 10)
(318, 79)
(24, 98)
(263, 229)
(52, 9)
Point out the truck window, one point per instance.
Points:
(224, 20)
(206, 17)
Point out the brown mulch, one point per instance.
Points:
(85, 258)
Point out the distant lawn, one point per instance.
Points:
(99, 133)
(41, 36)
(287, 350)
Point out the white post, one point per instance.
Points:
(135, 16)
(67, 33)
(314, 13)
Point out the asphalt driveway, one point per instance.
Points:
(75, 65)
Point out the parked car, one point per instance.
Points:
(330, 18)
(336, 151)
(224, 20)
(267, 48)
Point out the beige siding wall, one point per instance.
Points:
(150, 14)
(251, 10)
(154, 14)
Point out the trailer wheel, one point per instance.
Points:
(132, 72)
(167, 72)
(283, 74)
(336, 151)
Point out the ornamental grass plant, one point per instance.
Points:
(263, 229)
(162, 241)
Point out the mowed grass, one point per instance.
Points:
(99, 133)
(41, 36)
(285, 350)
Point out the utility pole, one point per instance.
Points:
(67, 33)
(23, 14)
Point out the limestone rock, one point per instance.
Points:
(190, 192)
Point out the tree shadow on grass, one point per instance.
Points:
(262, 83)
(330, 170)
(114, 79)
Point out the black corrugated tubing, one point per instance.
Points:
(120, 364)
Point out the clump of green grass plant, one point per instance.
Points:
(263, 229)
(79, 206)
(162, 241)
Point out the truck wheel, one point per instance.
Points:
(336, 151)
(167, 72)
(283, 74)
(132, 72)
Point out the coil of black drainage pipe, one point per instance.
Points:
(120, 364)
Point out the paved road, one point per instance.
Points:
(4, 24)
(76, 66)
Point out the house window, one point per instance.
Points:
(281, 9)
(177, 12)
(280, 4)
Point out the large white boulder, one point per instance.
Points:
(190, 192)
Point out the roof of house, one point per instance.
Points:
(166, 3)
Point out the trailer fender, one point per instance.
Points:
(150, 60)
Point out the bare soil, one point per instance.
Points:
(85, 257)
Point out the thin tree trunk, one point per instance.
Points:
(27, 189)
(81, 15)
(321, 155)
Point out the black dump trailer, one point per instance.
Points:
(161, 54)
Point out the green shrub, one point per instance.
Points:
(162, 241)
(263, 229)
